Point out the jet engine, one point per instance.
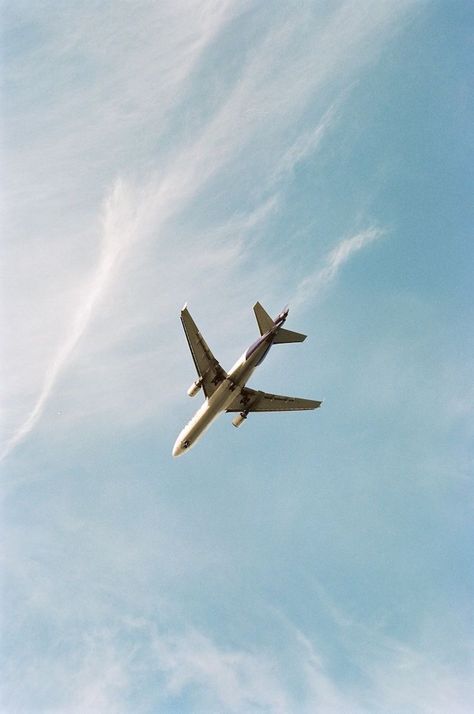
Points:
(194, 388)
(239, 419)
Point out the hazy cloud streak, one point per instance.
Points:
(316, 281)
(217, 136)
(118, 232)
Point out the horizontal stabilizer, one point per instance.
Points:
(283, 336)
(265, 322)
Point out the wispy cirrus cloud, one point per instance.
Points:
(308, 142)
(118, 231)
(236, 120)
(314, 283)
(131, 587)
(191, 670)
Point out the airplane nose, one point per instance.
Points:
(177, 450)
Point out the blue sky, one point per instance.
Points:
(317, 154)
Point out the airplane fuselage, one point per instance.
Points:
(228, 390)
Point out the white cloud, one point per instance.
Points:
(137, 666)
(101, 683)
(231, 679)
(259, 108)
(206, 143)
(118, 232)
(312, 285)
(307, 142)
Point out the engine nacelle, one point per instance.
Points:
(194, 388)
(239, 419)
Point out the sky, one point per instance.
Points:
(220, 152)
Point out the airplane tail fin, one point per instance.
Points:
(265, 322)
(283, 336)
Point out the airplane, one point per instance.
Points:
(226, 391)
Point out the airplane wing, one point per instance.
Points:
(208, 368)
(251, 400)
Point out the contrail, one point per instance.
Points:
(115, 240)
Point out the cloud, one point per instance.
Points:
(137, 665)
(314, 283)
(236, 120)
(397, 678)
(120, 229)
(308, 141)
(231, 679)
(118, 232)
(207, 110)
(101, 682)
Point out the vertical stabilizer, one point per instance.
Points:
(265, 322)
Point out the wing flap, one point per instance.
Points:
(251, 400)
(207, 367)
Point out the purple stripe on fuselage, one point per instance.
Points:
(278, 322)
(265, 353)
(256, 345)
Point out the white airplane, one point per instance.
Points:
(226, 392)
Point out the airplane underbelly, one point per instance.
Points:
(242, 374)
(211, 409)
